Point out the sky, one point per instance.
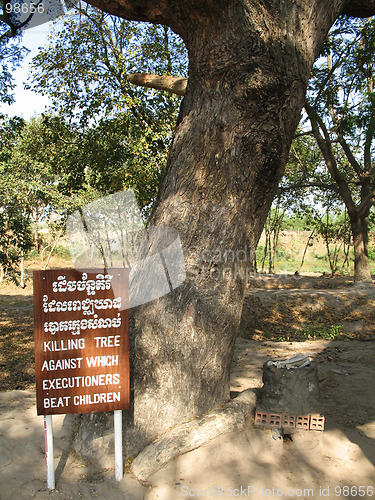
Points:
(28, 103)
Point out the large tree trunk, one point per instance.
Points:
(247, 82)
(359, 227)
(249, 64)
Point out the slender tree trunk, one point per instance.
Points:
(310, 238)
(270, 253)
(54, 244)
(265, 249)
(358, 214)
(22, 271)
(347, 244)
(277, 224)
(36, 230)
(359, 228)
(328, 248)
(255, 263)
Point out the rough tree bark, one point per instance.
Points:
(249, 64)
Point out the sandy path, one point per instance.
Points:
(244, 464)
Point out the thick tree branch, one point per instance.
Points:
(153, 11)
(359, 8)
(179, 15)
(172, 84)
(367, 202)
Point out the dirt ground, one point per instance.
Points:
(247, 463)
(288, 307)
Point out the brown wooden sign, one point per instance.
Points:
(81, 324)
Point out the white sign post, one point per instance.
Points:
(119, 469)
(48, 438)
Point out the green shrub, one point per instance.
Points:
(315, 331)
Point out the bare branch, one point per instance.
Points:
(14, 29)
(302, 134)
(301, 185)
(172, 84)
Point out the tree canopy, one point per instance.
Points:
(15, 17)
(127, 130)
(43, 179)
(84, 69)
(11, 55)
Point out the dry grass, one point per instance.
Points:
(17, 329)
(291, 247)
(16, 338)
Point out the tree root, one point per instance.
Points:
(190, 435)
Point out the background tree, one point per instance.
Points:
(15, 236)
(43, 176)
(340, 109)
(307, 190)
(84, 68)
(49, 158)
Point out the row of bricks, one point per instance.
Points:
(308, 422)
